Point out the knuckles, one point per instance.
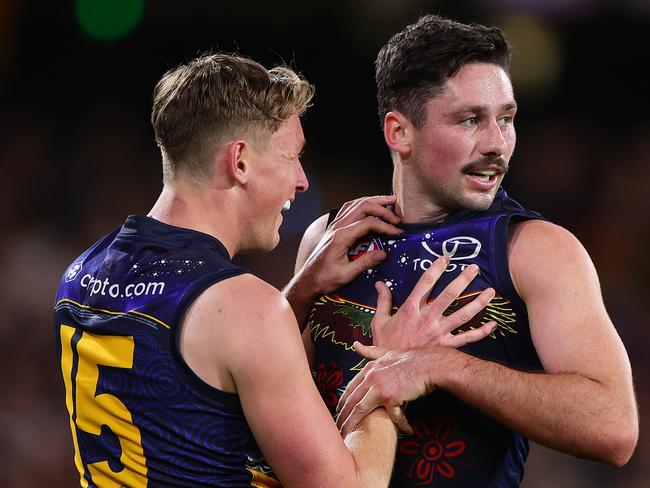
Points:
(385, 396)
(464, 315)
(408, 310)
(450, 293)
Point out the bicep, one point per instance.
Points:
(283, 407)
(569, 325)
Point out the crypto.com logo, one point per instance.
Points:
(457, 248)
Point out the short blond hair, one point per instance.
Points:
(200, 105)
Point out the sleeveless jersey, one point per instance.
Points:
(139, 415)
(453, 444)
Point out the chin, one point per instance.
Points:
(264, 247)
(271, 244)
(471, 203)
(261, 244)
(482, 204)
(478, 202)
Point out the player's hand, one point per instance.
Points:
(419, 324)
(390, 380)
(329, 267)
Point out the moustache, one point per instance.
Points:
(498, 164)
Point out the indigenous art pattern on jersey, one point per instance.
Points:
(453, 443)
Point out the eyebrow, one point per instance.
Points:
(482, 108)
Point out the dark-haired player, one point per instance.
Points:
(554, 370)
(180, 368)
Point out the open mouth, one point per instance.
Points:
(287, 206)
(485, 176)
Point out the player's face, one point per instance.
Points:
(461, 154)
(277, 177)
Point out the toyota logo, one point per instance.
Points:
(457, 248)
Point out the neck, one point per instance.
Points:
(415, 211)
(202, 209)
(414, 204)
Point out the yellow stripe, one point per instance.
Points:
(340, 300)
(66, 368)
(112, 312)
(260, 480)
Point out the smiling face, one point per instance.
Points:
(460, 155)
(276, 176)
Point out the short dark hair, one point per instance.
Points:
(415, 63)
(199, 104)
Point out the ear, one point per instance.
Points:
(237, 164)
(398, 131)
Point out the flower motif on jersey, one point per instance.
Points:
(433, 450)
(328, 380)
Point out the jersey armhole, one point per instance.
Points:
(501, 232)
(183, 369)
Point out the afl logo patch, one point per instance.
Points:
(364, 245)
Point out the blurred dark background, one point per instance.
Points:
(77, 155)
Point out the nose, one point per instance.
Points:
(494, 140)
(301, 179)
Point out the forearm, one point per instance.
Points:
(372, 446)
(568, 412)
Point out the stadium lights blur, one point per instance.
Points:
(108, 20)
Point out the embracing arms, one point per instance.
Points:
(583, 404)
(323, 265)
(241, 336)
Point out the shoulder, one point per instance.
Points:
(544, 253)
(310, 239)
(233, 325)
(316, 229)
(232, 313)
(244, 297)
(544, 239)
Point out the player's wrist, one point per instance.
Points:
(447, 367)
(379, 419)
(437, 367)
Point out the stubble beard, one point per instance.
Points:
(450, 199)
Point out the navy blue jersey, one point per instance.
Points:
(453, 444)
(139, 415)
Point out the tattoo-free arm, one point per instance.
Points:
(241, 335)
(583, 404)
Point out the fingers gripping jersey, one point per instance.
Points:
(138, 414)
(453, 444)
